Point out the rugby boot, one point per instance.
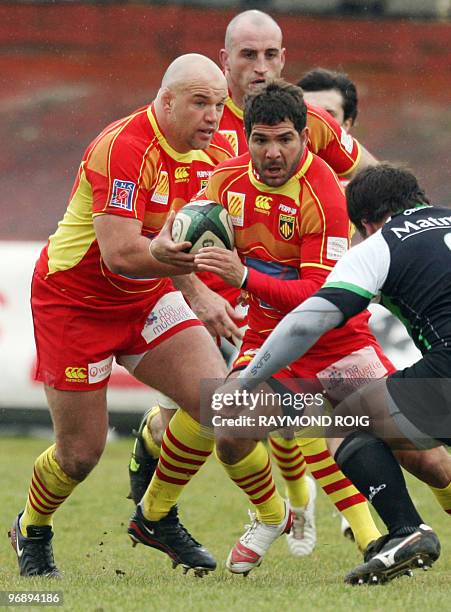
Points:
(142, 465)
(248, 552)
(389, 557)
(301, 539)
(34, 552)
(170, 536)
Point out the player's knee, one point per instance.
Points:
(77, 464)
(230, 450)
(428, 466)
(353, 444)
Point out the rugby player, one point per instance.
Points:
(289, 244)
(252, 55)
(101, 291)
(337, 93)
(406, 260)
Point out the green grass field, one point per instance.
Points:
(102, 571)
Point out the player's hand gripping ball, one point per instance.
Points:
(204, 224)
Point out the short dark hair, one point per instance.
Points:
(273, 103)
(379, 191)
(320, 79)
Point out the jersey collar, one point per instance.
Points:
(184, 158)
(233, 108)
(292, 187)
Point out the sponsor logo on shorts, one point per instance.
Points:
(181, 174)
(336, 247)
(286, 226)
(161, 193)
(168, 312)
(122, 196)
(232, 138)
(263, 204)
(100, 370)
(76, 374)
(235, 206)
(343, 377)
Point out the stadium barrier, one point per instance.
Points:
(22, 399)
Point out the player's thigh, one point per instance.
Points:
(80, 421)
(177, 366)
(367, 410)
(432, 466)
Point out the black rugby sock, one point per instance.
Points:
(369, 463)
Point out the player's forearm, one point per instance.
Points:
(136, 261)
(190, 285)
(296, 333)
(283, 294)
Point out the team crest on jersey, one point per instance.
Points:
(263, 204)
(235, 206)
(181, 174)
(122, 196)
(161, 193)
(286, 226)
(232, 138)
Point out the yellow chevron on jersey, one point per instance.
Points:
(235, 206)
(161, 193)
(232, 138)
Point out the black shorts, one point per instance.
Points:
(422, 395)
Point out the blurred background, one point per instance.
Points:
(69, 68)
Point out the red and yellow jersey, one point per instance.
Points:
(290, 237)
(327, 138)
(231, 127)
(129, 170)
(331, 142)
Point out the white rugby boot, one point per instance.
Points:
(301, 539)
(250, 549)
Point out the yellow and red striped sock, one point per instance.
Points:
(185, 448)
(292, 466)
(443, 497)
(49, 488)
(347, 499)
(253, 475)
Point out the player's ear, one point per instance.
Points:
(370, 227)
(347, 124)
(305, 136)
(167, 99)
(224, 59)
(282, 58)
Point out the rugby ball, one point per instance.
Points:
(203, 223)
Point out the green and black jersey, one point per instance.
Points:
(408, 264)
